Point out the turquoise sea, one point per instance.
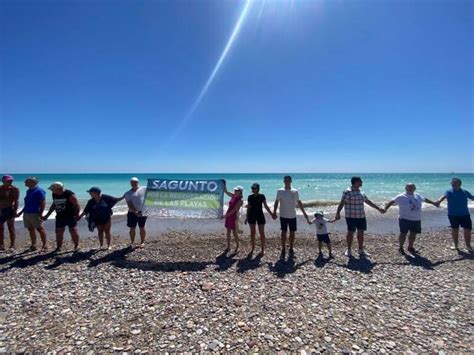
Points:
(325, 188)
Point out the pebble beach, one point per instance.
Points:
(181, 294)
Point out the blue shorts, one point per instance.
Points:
(356, 223)
(463, 221)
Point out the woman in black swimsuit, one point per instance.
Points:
(255, 215)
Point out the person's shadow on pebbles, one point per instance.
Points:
(74, 258)
(248, 263)
(415, 259)
(321, 262)
(363, 265)
(25, 261)
(115, 256)
(284, 267)
(225, 261)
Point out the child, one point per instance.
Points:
(322, 232)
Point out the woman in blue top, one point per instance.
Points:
(458, 212)
(99, 210)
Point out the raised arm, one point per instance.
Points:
(230, 194)
(118, 199)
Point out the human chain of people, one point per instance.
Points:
(98, 212)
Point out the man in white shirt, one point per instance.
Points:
(409, 207)
(288, 198)
(135, 197)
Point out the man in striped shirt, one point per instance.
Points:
(353, 200)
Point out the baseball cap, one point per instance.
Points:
(55, 185)
(238, 187)
(7, 178)
(134, 179)
(94, 189)
(319, 213)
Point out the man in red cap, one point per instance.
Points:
(9, 196)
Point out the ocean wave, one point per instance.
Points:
(316, 203)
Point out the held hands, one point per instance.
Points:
(44, 218)
(274, 215)
(337, 217)
(245, 222)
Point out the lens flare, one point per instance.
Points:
(214, 72)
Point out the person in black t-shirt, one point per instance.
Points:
(67, 212)
(255, 215)
(99, 210)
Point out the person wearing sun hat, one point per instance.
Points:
(322, 232)
(99, 210)
(35, 202)
(9, 196)
(67, 209)
(232, 214)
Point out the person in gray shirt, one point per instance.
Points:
(135, 197)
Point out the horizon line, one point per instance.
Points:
(242, 173)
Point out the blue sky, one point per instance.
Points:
(307, 86)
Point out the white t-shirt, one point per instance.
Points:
(320, 225)
(409, 206)
(287, 200)
(137, 198)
